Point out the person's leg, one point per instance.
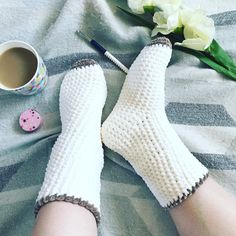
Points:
(210, 211)
(139, 130)
(69, 199)
(62, 219)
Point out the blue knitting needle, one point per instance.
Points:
(101, 49)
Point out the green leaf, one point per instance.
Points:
(179, 30)
(208, 61)
(220, 56)
(149, 9)
(138, 18)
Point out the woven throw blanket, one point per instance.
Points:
(200, 104)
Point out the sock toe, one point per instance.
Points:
(161, 40)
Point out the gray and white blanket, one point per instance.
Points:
(200, 104)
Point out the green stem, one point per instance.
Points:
(208, 61)
(221, 56)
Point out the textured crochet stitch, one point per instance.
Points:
(73, 171)
(139, 130)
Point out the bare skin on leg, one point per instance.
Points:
(210, 211)
(62, 218)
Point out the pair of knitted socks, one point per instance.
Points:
(137, 128)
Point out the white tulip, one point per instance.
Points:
(166, 23)
(169, 6)
(137, 6)
(199, 29)
(167, 18)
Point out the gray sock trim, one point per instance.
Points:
(184, 196)
(83, 63)
(161, 40)
(71, 199)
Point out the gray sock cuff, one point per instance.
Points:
(70, 199)
(83, 63)
(161, 40)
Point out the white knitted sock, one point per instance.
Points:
(139, 130)
(73, 171)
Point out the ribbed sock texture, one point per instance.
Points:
(139, 130)
(76, 160)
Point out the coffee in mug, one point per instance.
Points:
(21, 68)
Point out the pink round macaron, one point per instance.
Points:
(30, 120)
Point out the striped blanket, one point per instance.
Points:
(200, 104)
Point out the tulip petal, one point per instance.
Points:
(173, 21)
(196, 44)
(136, 6)
(159, 18)
(161, 29)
